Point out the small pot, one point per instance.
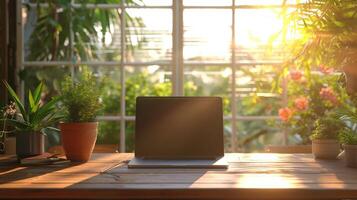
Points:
(29, 144)
(325, 149)
(78, 140)
(350, 155)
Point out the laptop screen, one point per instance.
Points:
(179, 127)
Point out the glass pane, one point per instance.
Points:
(50, 76)
(227, 136)
(108, 78)
(254, 91)
(108, 133)
(149, 33)
(254, 135)
(256, 30)
(207, 3)
(149, 2)
(209, 81)
(97, 38)
(207, 35)
(129, 136)
(152, 80)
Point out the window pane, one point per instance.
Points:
(149, 31)
(51, 76)
(108, 133)
(152, 80)
(209, 81)
(207, 35)
(256, 30)
(108, 78)
(129, 136)
(254, 135)
(254, 91)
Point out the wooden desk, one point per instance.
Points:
(250, 176)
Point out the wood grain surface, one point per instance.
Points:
(249, 176)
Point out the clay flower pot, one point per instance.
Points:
(78, 140)
(325, 149)
(350, 155)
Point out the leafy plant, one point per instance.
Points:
(311, 97)
(80, 98)
(327, 32)
(34, 117)
(349, 134)
(327, 127)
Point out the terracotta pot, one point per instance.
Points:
(29, 144)
(325, 149)
(350, 155)
(78, 140)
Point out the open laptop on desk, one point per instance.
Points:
(179, 132)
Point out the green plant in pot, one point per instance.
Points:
(348, 137)
(80, 99)
(325, 144)
(31, 121)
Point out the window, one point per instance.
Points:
(163, 47)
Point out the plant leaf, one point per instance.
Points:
(37, 93)
(17, 100)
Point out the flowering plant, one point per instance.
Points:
(311, 95)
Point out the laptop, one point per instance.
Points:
(179, 132)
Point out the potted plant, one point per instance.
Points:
(30, 121)
(348, 137)
(80, 99)
(324, 137)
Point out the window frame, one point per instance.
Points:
(177, 62)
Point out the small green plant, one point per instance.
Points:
(80, 98)
(349, 134)
(327, 127)
(34, 117)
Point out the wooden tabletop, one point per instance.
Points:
(249, 176)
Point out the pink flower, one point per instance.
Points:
(285, 114)
(328, 94)
(301, 103)
(295, 75)
(326, 70)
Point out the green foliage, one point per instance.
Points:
(36, 116)
(52, 30)
(349, 117)
(328, 31)
(348, 136)
(327, 127)
(80, 98)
